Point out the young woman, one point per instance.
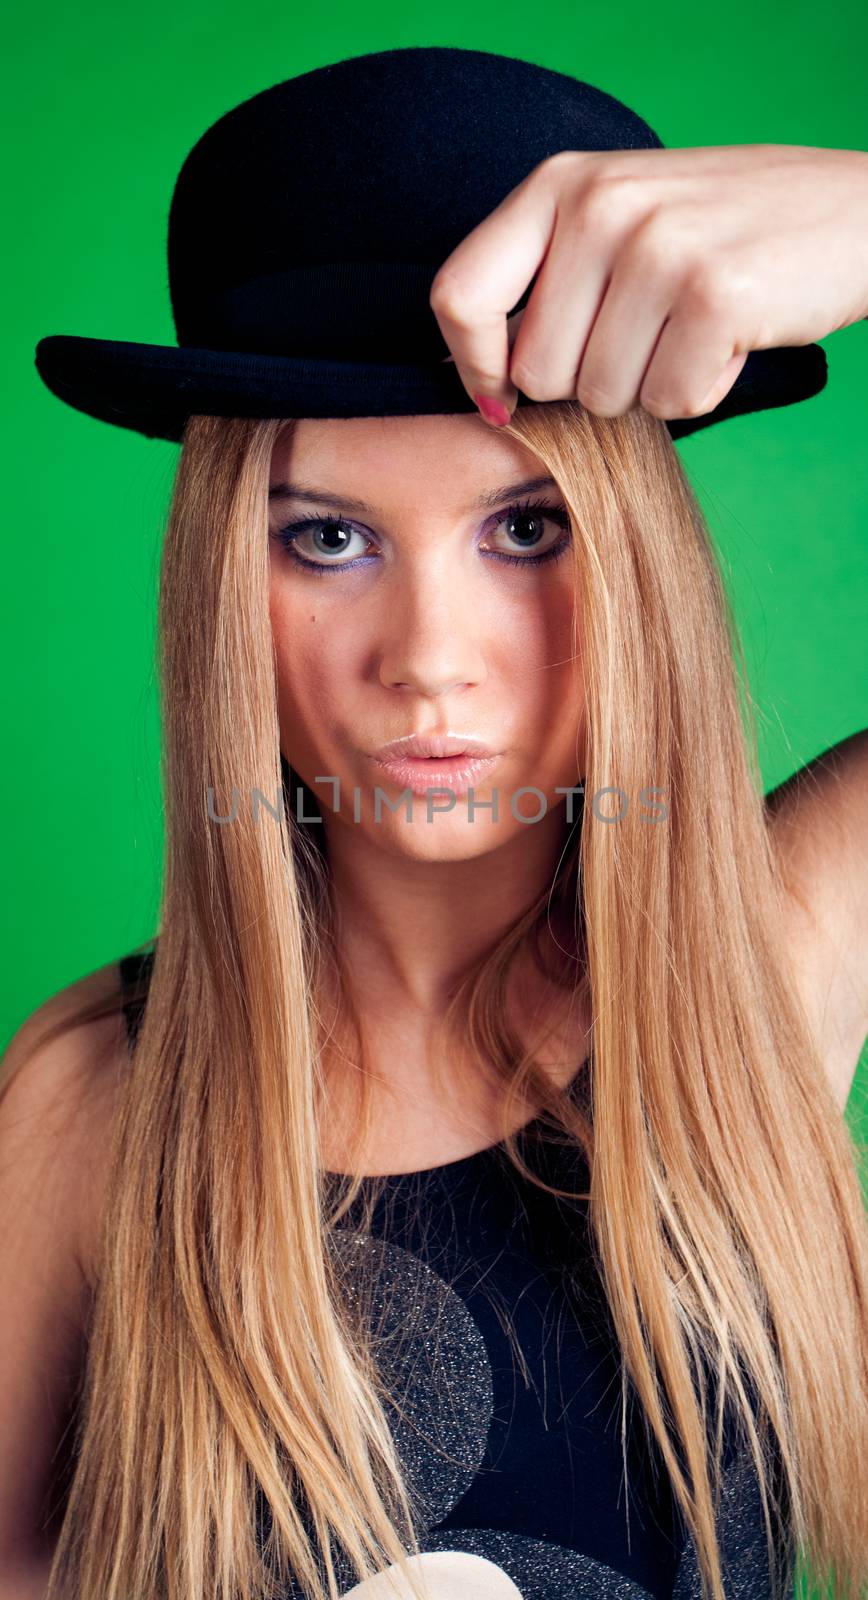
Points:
(462, 1205)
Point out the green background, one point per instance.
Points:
(100, 108)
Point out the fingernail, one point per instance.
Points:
(492, 410)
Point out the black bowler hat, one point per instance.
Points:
(305, 230)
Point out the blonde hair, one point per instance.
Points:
(225, 1361)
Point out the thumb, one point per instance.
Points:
(495, 403)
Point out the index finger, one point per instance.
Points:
(484, 276)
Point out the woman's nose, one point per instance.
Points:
(433, 637)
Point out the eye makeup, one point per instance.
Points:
(531, 509)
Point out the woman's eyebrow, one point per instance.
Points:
(494, 497)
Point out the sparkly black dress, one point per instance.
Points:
(506, 1376)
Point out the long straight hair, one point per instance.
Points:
(225, 1360)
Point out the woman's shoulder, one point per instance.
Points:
(60, 1076)
(79, 1025)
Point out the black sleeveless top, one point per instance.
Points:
(508, 1391)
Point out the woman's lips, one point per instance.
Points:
(420, 773)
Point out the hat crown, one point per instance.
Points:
(306, 227)
(310, 219)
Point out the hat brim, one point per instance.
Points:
(154, 389)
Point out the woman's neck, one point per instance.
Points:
(426, 1110)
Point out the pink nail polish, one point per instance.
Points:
(492, 410)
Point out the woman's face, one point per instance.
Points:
(395, 611)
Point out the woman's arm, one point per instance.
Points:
(818, 820)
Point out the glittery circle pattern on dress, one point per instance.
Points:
(435, 1365)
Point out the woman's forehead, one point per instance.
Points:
(370, 457)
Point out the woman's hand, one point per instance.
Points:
(657, 271)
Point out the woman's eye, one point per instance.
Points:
(525, 529)
(330, 538)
